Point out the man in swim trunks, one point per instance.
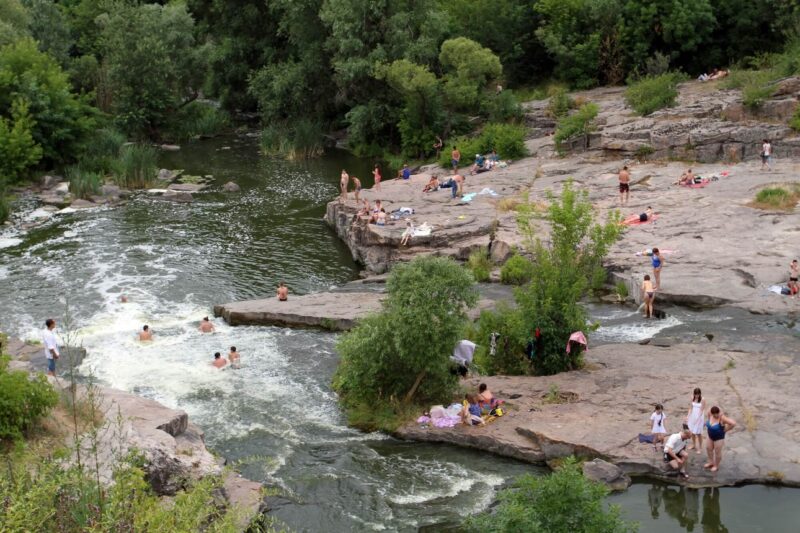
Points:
(794, 272)
(455, 157)
(283, 292)
(624, 185)
(219, 361)
(647, 215)
(675, 454)
(146, 334)
(356, 187)
(206, 326)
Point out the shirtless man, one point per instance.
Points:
(455, 157)
(146, 334)
(283, 292)
(794, 272)
(687, 178)
(356, 187)
(219, 361)
(206, 326)
(459, 179)
(344, 180)
(233, 357)
(624, 185)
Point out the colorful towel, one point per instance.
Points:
(633, 220)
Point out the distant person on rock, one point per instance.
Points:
(437, 146)
(407, 233)
(432, 185)
(50, 343)
(405, 172)
(356, 188)
(675, 454)
(794, 272)
(485, 397)
(624, 185)
(694, 419)
(364, 211)
(455, 157)
(687, 178)
(233, 357)
(376, 175)
(766, 154)
(459, 180)
(480, 161)
(717, 425)
(380, 218)
(647, 215)
(283, 292)
(471, 411)
(344, 180)
(206, 326)
(648, 296)
(219, 361)
(145, 334)
(658, 429)
(658, 263)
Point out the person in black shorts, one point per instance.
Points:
(624, 185)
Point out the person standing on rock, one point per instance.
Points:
(344, 180)
(624, 185)
(794, 272)
(376, 175)
(51, 352)
(146, 334)
(766, 154)
(695, 418)
(675, 454)
(206, 326)
(437, 145)
(356, 188)
(455, 157)
(658, 263)
(717, 425)
(658, 429)
(648, 295)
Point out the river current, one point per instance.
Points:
(277, 417)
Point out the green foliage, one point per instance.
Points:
(101, 151)
(50, 28)
(518, 270)
(197, 119)
(754, 94)
(509, 358)
(504, 107)
(136, 167)
(507, 139)
(578, 123)
(652, 93)
(468, 68)
(24, 399)
(621, 289)
(155, 65)
(402, 354)
(14, 22)
(778, 198)
(83, 183)
(794, 122)
(60, 120)
(562, 502)
(5, 209)
(303, 140)
(560, 102)
(480, 265)
(20, 151)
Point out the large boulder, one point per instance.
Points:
(187, 187)
(80, 203)
(48, 182)
(181, 197)
(61, 189)
(501, 252)
(110, 190)
(231, 187)
(604, 472)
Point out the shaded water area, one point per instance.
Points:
(277, 416)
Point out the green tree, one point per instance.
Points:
(155, 66)
(14, 21)
(468, 69)
(20, 151)
(562, 502)
(402, 354)
(60, 120)
(49, 26)
(23, 400)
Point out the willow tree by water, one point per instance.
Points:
(402, 354)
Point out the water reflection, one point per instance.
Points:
(683, 505)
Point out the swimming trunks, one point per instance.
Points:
(650, 294)
(715, 431)
(454, 162)
(643, 217)
(792, 279)
(624, 187)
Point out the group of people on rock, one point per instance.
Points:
(676, 446)
(475, 404)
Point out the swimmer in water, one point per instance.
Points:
(123, 299)
(146, 334)
(206, 326)
(219, 361)
(233, 357)
(283, 292)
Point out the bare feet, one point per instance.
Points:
(699, 451)
(684, 475)
(713, 468)
(708, 465)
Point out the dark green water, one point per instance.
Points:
(277, 415)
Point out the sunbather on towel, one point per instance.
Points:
(485, 397)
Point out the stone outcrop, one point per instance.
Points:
(612, 400)
(231, 187)
(606, 473)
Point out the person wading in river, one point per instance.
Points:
(283, 292)
(145, 334)
(206, 326)
(219, 361)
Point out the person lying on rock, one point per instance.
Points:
(471, 411)
(219, 361)
(675, 454)
(486, 398)
(647, 215)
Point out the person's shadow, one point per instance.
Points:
(712, 519)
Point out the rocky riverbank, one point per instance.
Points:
(598, 412)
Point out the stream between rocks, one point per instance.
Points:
(277, 417)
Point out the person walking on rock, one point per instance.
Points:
(766, 154)
(658, 263)
(717, 425)
(695, 418)
(794, 272)
(51, 352)
(624, 185)
(675, 454)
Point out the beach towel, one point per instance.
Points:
(488, 191)
(423, 231)
(633, 220)
(578, 337)
(468, 197)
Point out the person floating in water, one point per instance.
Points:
(206, 326)
(234, 358)
(123, 299)
(219, 361)
(283, 292)
(146, 334)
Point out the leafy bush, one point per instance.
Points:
(20, 151)
(504, 107)
(621, 289)
(302, 140)
(579, 123)
(656, 65)
(480, 265)
(794, 122)
(102, 150)
(83, 183)
(652, 93)
(754, 94)
(518, 270)
(23, 400)
(507, 139)
(402, 354)
(562, 502)
(197, 119)
(136, 167)
(5, 209)
(509, 357)
(560, 102)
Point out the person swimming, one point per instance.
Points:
(206, 326)
(283, 292)
(234, 358)
(219, 361)
(145, 334)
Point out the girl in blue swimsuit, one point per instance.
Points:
(658, 262)
(717, 425)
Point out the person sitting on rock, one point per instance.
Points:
(471, 411)
(380, 218)
(407, 233)
(687, 178)
(219, 361)
(485, 397)
(432, 185)
(283, 292)
(480, 161)
(675, 454)
(206, 326)
(376, 209)
(145, 334)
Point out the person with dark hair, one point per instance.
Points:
(647, 215)
(695, 418)
(624, 185)
(471, 411)
(648, 295)
(283, 292)
(794, 272)
(146, 334)
(233, 357)
(219, 361)
(658, 262)
(658, 429)
(206, 326)
(675, 454)
(376, 175)
(717, 425)
(51, 352)
(766, 154)
(455, 157)
(485, 397)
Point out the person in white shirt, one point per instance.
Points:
(675, 454)
(659, 431)
(766, 154)
(50, 346)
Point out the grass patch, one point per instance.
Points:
(621, 288)
(730, 365)
(777, 198)
(560, 103)
(136, 166)
(82, 182)
(579, 123)
(756, 85)
(480, 265)
(776, 475)
(652, 93)
(517, 271)
(555, 396)
(505, 205)
(386, 417)
(507, 139)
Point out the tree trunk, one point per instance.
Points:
(415, 386)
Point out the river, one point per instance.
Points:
(276, 417)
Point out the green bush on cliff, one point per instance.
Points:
(652, 93)
(562, 502)
(580, 122)
(402, 354)
(507, 139)
(24, 399)
(517, 270)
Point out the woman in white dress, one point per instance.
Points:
(694, 418)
